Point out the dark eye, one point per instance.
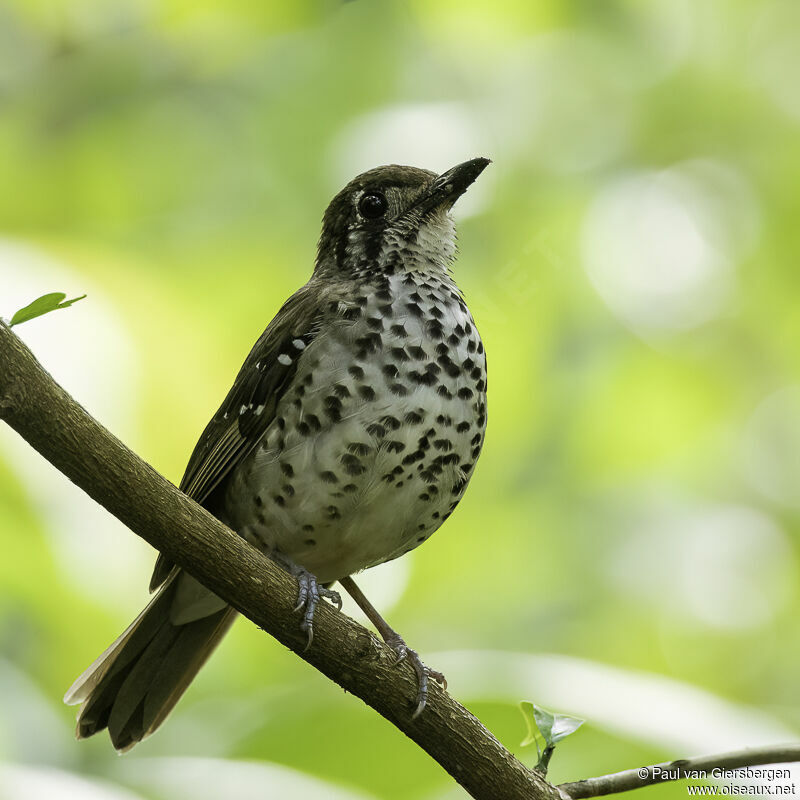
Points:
(372, 205)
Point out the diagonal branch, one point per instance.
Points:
(52, 422)
(713, 767)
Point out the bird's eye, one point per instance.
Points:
(372, 205)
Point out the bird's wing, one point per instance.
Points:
(250, 405)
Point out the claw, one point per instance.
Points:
(424, 673)
(309, 593)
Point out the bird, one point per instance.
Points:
(348, 437)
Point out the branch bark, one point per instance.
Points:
(681, 769)
(34, 405)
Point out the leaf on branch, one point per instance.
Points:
(42, 305)
(547, 728)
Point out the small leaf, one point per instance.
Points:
(544, 722)
(563, 726)
(43, 305)
(530, 723)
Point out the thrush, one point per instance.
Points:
(347, 439)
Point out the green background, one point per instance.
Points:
(628, 549)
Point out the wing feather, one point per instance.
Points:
(250, 405)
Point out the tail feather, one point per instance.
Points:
(131, 688)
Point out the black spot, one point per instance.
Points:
(443, 444)
(443, 391)
(417, 455)
(465, 393)
(388, 477)
(395, 447)
(329, 477)
(462, 427)
(434, 330)
(386, 310)
(259, 501)
(279, 501)
(340, 390)
(398, 353)
(362, 301)
(468, 364)
(476, 451)
(471, 346)
(449, 367)
(303, 428)
(392, 423)
(398, 470)
(415, 417)
(459, 330)
(310, 542)
(435, 515)
(333, 512)
(358, 449)
(424, 378)
(309, 379)
(414, 309)
(313, 421)
(390, 371)
(398, 389)
(371, 342)
(475, 439)
(383, 294)
(399, 330)
(356, 372)
(281, 422)
(288, 489)
(376, 430)
(416, 352)
(442, 349)
(424, 497)
(349, 488)
(308, 528)
(453, 339)
(376, 323)
(436, 312)
(301, 390)
(480, 347)
(415, 297)
(367, 392)
(467, 467)
(352, 465)
(397, 486)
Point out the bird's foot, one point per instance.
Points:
(309, 593)
(424, 672)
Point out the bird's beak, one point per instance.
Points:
(450, 185)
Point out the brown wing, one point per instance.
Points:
(250, 405)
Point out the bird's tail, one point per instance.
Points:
(131, 688)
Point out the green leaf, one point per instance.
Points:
(547, 727)
(529, 715)
(563, 726)
(43, 305)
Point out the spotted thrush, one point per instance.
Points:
(347, 439)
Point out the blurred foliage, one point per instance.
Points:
(630, 257)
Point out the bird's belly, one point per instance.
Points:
(374, 442)
(359, 492)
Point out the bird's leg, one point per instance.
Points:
(395, 641)
(309, 592)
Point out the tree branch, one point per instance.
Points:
(46, 416)
(699, 768)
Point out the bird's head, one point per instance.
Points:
(393, 217)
